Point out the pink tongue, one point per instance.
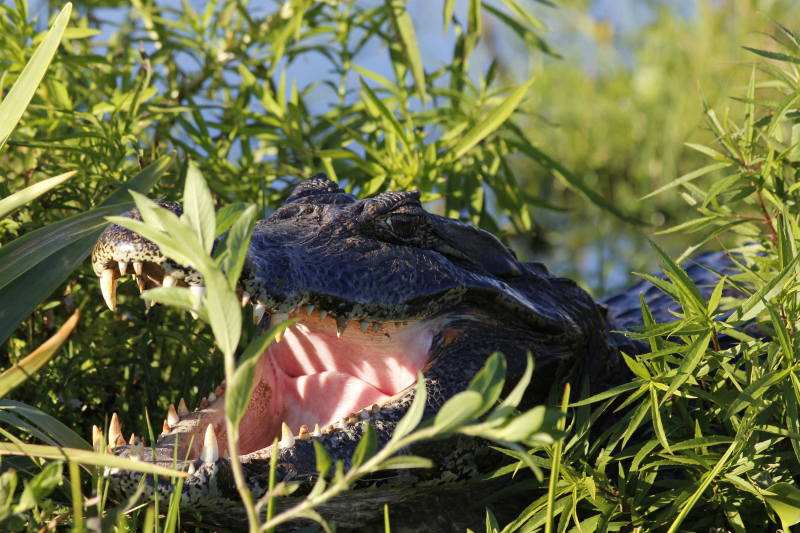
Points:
(326, 397)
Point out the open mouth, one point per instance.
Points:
(315, 381)
(321, 374)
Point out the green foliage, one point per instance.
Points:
(706, 433)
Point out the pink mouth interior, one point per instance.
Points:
(312, 377)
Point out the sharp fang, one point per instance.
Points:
(279, 318)
(328, 429)
(352, 419)
(322, 315)
(115, 437)
(287, 439)
(191, 470)
(342, 423)
(137, 268)
(137, 448)
(245, 298)
(165, 429)
(148, 304)
(123, 268)
(97, 439)
(218, 391)
(108, 285)
(376, 326)
(172, 416)
(194, 314)
(304, 434)
(341, 325)
(364, 326)
(364, 414)
(210, 449)
(141, 283)
(374, 409)
(224, 384)
(317, 432)
(204, 402)
(212, 398)
(258, 313)
(225, 455)
(169, 281)
(309, 309)
(182, 409)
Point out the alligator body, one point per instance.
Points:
(383, 290)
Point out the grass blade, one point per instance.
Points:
(11, 203)
(20, 95)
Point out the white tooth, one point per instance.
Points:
(123, 267)
(279, 318)
(258, 313)
(141, 283)
(341, 326)
(322, 315)
(200, 292)
(342, 423)
(97, 439)
(317, 432)
(304, 434)
(245, 298)
(210, 449)
(137, 448)
(191, 470)
(309, 309)
(172, 416)
(194, 314)
(364, 326)
(287, 439)
(108, 285)
(137, 268)
(169, 281)
(225, 455)
(212, 398)
(115, 437)
(182, 410)
(376, 326)
(149, 303)
(398, 324)
(364, 414)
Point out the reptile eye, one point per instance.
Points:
(404, 226)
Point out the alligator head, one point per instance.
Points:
(383, 290)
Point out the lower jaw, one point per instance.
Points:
(327, 398)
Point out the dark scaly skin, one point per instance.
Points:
(326, 248)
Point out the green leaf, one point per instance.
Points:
(755, 304)
(755, 390)
(773, 55)
(51, 254)
(11, 203)
(390, 122)
(459, 409)
(28, 366)
(658, 426)
(449, 6)
(198, 206)
(636, 367)
(227, 216)
(235, 244)
(20, 95)
(40, 486)
(405, 461)
(689, 363)
(414, 414)
(62, 435)
(366, 446)
(687, 177)
(785, 501)
(86, 457)
(492, 121)
(405, 30)
(489, 381)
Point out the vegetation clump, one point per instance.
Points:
(707, 435)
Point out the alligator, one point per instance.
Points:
(383, 290)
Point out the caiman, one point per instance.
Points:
(383, 290)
